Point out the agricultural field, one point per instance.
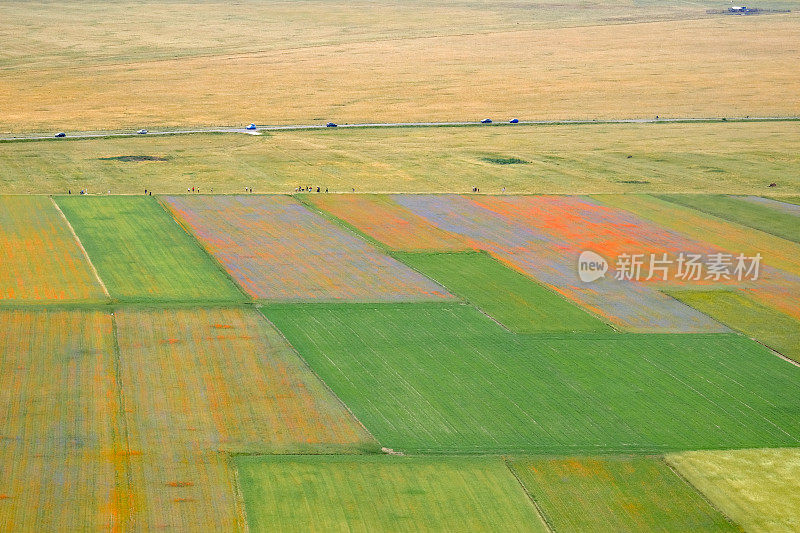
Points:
(785, 205)
(777, 330)
(608, 69)
(726, 158)
(59, 438)
(141, 253)
(277, 249)
(303, 493)
(513, 299)
(543, 237)
(769, 217)
(41, 258)
(380, 218)
(756, 488)
(444, 378)
(616, 493)
(224, 380)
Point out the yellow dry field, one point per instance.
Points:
(62, 461)
(718, 66)
(48, 33)
(730, 158)
(40, 258)
(758, 489)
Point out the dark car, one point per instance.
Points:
(330, 125)
(513, 121)
(486, 121)
(61, 134)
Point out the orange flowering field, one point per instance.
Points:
(41, 259)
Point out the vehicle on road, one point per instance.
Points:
(486, 121)
(141, 132)
(251, 127)
(61, 134)
(513, 121)
(331, 125)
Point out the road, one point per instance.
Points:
(300, 127)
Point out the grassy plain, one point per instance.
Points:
(730, 158)
(60, 466)
(760, 217)
(141, 253)
(41, 260)
(445, 378)
(602, 71)
(759, 489)
(511, 298)
(616, 493)
(777, 330)
(384, 493)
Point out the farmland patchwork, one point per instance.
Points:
(279, 250)
(444, 378)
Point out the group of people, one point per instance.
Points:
(309, 189)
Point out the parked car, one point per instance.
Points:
(141, 132)
(486, 121)
(251, 127)
(61, 134)
(514, 121)
(330, 125)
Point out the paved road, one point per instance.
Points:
(295, 127)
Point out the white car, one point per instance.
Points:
(141, 132)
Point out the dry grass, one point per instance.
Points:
(713, 66)
(705, 157)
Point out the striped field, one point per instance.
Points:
(277, 249)
(444, 378)
(141, 253)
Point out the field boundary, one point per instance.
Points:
(247, 297)
(327, 387)
(80, 245)
(700, 493)
(539, 510)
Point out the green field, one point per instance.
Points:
(141, 253)
(383, 493)
(730, 158)
(749, 214)
(624, 493)
(759, 489)
(777, 330)
(511, 298)
(445, 378)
